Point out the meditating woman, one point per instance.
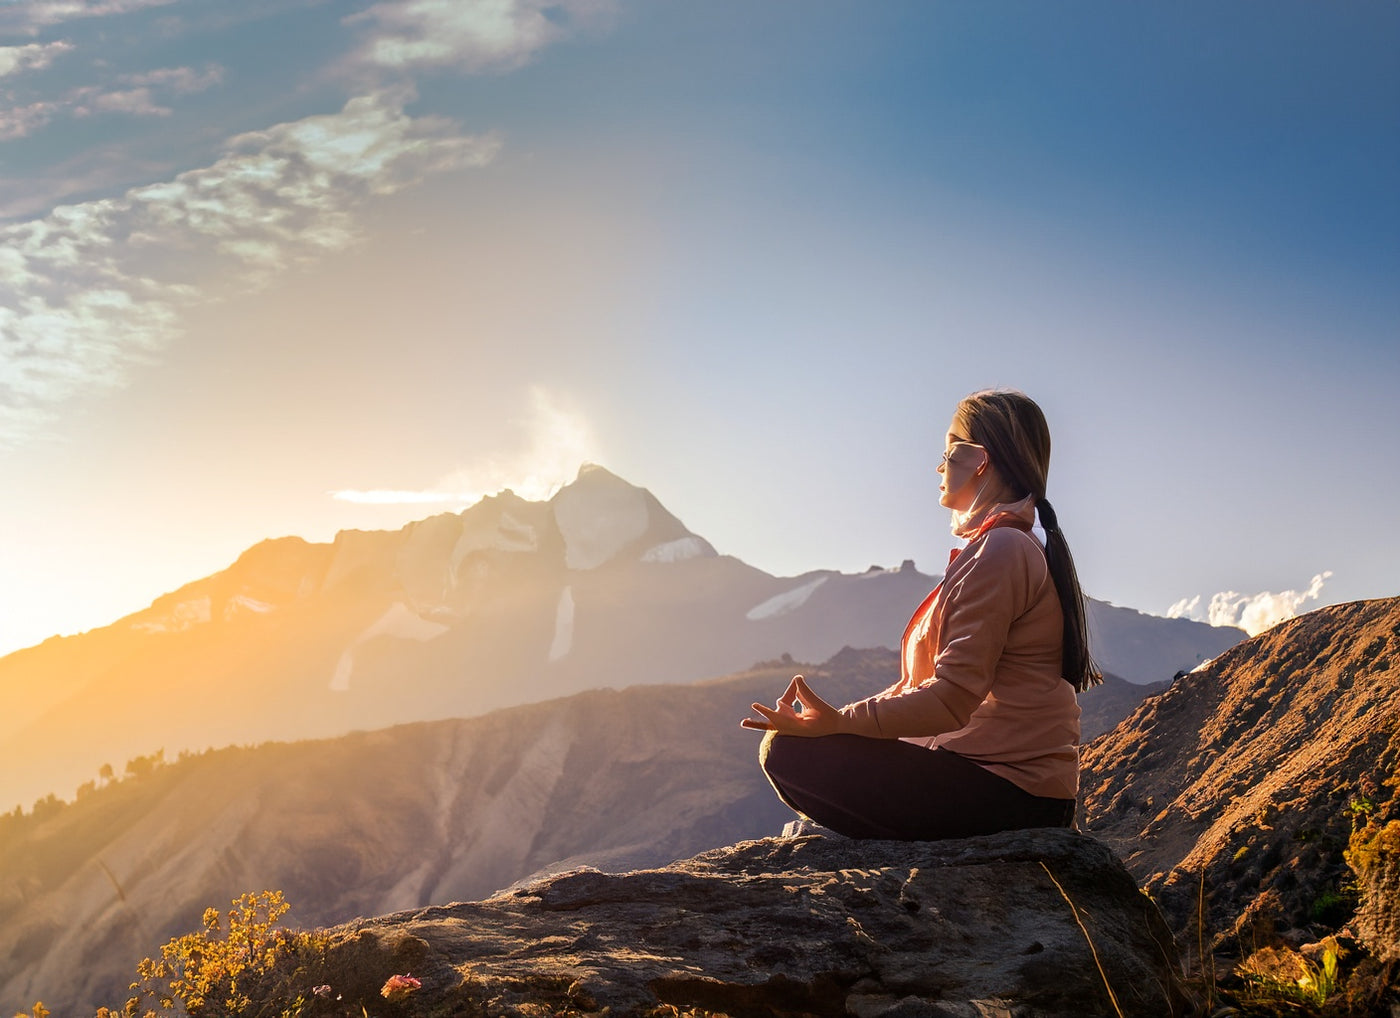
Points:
(981, 732)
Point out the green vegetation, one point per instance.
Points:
(1276, 976)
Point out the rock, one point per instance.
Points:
(806, 926)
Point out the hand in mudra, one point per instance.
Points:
(817, 717)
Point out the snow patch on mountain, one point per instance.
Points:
(563, 626)
(788, 601)
(400, 622)
(679, 550)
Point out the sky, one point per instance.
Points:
(274, 267)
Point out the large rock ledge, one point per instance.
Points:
(806, 926)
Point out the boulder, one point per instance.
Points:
(1025, 923)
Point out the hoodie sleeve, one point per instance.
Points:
(988, 587)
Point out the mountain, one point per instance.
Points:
(507, 602)
(1242, 783)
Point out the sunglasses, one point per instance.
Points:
(948, 453)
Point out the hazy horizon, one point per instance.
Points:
(284, 269)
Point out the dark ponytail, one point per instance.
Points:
(1078, 665)
(1012, 428)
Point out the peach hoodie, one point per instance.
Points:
(980, 663)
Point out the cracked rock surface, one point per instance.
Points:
(1025, 924)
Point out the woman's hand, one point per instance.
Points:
(816, 718)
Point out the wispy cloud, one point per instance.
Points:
(28, 16)
(93, 289)
(134, 94)
(130, 94)
(34, 56)
(1253, 613)
(18, 121)
(553, 441)
(471, 35)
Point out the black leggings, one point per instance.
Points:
(885, 788)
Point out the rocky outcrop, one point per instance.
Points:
(1241, 785)
(1030, 923)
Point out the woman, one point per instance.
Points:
(981, 732)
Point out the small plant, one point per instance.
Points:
(1275, 975)
(223, 969)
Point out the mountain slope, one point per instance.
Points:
(1243, 780)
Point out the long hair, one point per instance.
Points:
(1012, 428)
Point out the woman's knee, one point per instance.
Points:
(765, 748)
(780, 754)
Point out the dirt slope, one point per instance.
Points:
(1243, 781)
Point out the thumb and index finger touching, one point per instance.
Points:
(797, 692)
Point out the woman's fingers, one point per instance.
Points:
(811, 715)
(806, 697)
(763, 725)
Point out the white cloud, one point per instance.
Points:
(34, 56)
(21, 121)
(1185, 608)
(135, 96)
(1253, 613)
(91, 290)
(31, 15)
(136, 102)
(137, 99)
(181, 80)
(553, 442)
(472, 35)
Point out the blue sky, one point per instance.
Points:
(747, 255)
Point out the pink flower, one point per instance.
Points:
(399, 987)
(322, 990)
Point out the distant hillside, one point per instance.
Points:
(508, 602)
(1244, 779)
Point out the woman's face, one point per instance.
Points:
(963, 469)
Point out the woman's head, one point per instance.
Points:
(1011, 428)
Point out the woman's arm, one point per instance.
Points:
(986, 589)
